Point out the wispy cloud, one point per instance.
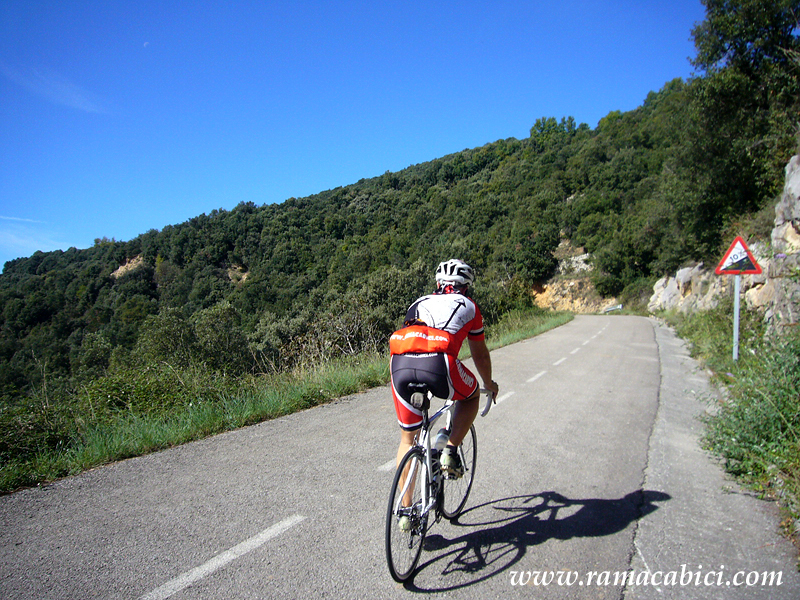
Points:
(20, 219)
(23, 237)
(55, 88)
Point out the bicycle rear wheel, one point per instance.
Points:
(406, 526)
(456, 491)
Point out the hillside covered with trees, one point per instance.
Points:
(257, 290)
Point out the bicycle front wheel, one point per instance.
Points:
(406, 524)
(456, 491)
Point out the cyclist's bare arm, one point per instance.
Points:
(483, 363)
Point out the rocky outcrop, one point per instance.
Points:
(782, 294)
(130, 265)
(776, 292)
(571, 290)
(692, 288)
(571, 295)
(786, 235)
(574, 265)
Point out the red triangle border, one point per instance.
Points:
(756, 271)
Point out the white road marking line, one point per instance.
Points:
(183, 581)
(575, 351)
(505, 396)
(535, 377)
(558, 362)
(388, 466)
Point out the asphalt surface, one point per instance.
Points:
(591, 483)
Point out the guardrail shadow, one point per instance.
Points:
(495, 544)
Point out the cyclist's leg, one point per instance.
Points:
(408, 417)
(466, 392)
(455, 489)
(406, 441)
(464, 414)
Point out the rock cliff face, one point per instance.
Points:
(572, 295)
(571, 291)
(692, 288)
(781, 293)
(776, 292)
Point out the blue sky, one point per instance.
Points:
(117, 117)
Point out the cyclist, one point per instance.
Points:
(426, 350)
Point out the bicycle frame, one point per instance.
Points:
(409, 507)
(423, 441)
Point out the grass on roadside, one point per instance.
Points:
(130, 432)
(755, 427)
(519, 325)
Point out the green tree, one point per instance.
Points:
(532, 252)
(221, 342)
(743, 112)
(167, 337)
(746, 34)
(95, 353)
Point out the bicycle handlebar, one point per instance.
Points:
(489, 401)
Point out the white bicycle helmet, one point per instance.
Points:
(454, 272)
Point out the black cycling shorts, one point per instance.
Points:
(445, 376)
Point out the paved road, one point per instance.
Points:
(589, 469)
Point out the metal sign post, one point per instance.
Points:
(738, 261)
(736, 285)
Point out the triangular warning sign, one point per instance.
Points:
(738, 260)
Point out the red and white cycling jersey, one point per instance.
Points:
(441, 323)
(426, 351)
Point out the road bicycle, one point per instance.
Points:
(421, 492)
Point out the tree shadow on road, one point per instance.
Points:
(497, 534)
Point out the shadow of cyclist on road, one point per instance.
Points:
(498, 533)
